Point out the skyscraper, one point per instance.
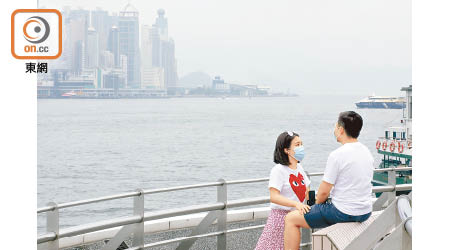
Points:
(78, 60)
(113, 44)
(101, 22)
(152, 76)
(169, 63)
(161, 23)
(129, 43)
(92, 48)
(156, 46)
(77, 23)
(146, 46)
(163, 50)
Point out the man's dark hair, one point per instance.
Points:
(352, 123)
(283, 141)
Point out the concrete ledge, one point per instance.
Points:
(184, 221)
(261, 213)
(157, 226)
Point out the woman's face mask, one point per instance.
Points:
(299, 153)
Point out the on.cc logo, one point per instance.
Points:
(36, 29)
(36, 34)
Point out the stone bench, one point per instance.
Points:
(340, 235)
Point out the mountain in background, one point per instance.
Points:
(194, 80)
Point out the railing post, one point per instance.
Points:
(222, 216)
(306, 232)
(138, 209)
(306, 239)
(53, 225)
(391, 181)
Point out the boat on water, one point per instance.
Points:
(396, 147)
(69, 94)
(381, 102)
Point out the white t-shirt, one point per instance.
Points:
(350, 169)
(291, 183)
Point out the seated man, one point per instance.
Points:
(348, 175)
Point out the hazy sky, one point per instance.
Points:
(321, 46)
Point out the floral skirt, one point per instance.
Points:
(272, 237)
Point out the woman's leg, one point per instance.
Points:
(292, 223)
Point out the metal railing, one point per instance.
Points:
(134, 225)
(386, 231)
(398, 223)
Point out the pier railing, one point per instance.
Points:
(133, 226)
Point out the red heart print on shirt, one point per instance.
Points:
(298, 186)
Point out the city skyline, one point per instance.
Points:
(112, 56)
(348, 47)
(103, 50)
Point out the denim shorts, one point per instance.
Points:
(326, 214)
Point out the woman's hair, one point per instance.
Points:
(283, 141)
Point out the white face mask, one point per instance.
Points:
(334, 133)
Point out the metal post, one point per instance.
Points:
(306, 233)
(222, 216)
(392, 182)
(53, 225)
(306, 238)
(138, 209)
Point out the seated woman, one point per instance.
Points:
(288, 186)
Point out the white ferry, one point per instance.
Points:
(381, 102)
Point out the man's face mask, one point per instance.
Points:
(336, 132)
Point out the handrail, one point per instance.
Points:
(162, 190)
(111, 223)
(392, 138)
(107, 224)
(399, 169)
(405, 212)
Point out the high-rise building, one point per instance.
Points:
(124, 66)
(113, 44)
(92, 48)
(146, 57)
(107, 59)
(169, 63)
(156, 46)
(163, 50)
(76, 23)
(78, 57)
(101, 22)
(161, 23)
(129, 43)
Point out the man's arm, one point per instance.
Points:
(323, 192)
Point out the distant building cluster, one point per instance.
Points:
(110, 52)
(112, 56)
(221, 88)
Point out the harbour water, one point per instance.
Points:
(91, 148)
